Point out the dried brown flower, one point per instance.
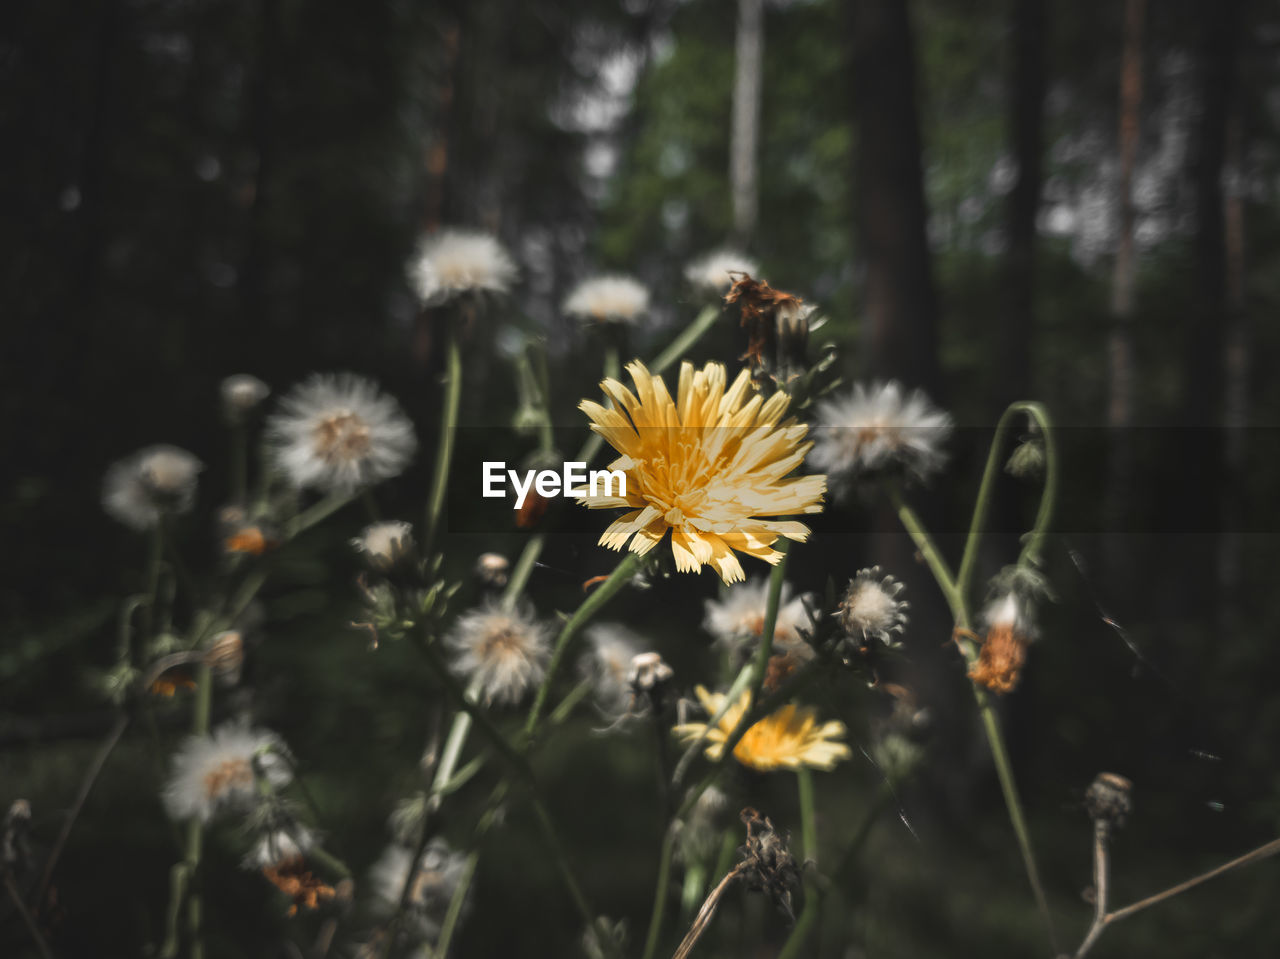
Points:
(999, 665)
(760, 307)
(298, 883)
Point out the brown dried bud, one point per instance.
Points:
(769, 865)
(999, 665)
(1109, 799)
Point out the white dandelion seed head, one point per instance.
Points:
(1012, 611)
(218, 771)
(505, 651)
(439, 871)
(454, 262)
(871, 608)
(278, 845)
(241, 394)
(384, 544)
(139, 489)
(737, 621)
(338, 433)
(711, 273)
(878, 428)
(607, 664)
(608, 299)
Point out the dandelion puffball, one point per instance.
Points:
(338, 433)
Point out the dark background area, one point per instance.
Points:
(194, 189)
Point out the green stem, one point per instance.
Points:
(316, 512)
(239, 463)
(454, 911)
(523, 568)
(453, 744)
(685, 341)
(990, 723)
(619, 578)
(809, 839)
(982, 505)
(660, 894)
(155, 560)
(933, 559)
(566, 706)
(202, 707)
(444, 446)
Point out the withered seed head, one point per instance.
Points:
(1109, 798)
(770, 867)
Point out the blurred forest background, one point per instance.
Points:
(989, 199)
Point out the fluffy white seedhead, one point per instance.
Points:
(139, 489)
(871, 608)
(279, 845)
(504, 651)
(1011, 611)
(608, 299)
(385, 544)
(241, 395)
(711, 273)
(217, 772)
(338, 433)
(878, 428)
(737, 620)
(439, 872)
(607, 663)
(454, 262)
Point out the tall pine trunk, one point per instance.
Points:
(1026, 143)
(1203, 374)
(744, 142)
(1120, 372)
(900, 304)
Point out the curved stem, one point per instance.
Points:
(591, 605)
(444, 445)
(933, 559)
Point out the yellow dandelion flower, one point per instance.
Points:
(710, 466)
(789, 738)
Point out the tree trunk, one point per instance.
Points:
(1203, 375)
(1120, 378)
(899, 299)
(744, 142)
(1026, 134)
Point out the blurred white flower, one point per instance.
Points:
(737, 620)
(385, 544)
(241, 394)
(710, 273)
(453, 262)
(871, 608)
(608, 299)
(217, 771)
(139, 489)
(878, 428)
(505, 651)
(608, 665)
(338, 433)
(439, 871)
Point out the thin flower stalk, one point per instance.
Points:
(955, 591)
(596, 601)
(444, 445)
(809, 838)
(982, 506)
